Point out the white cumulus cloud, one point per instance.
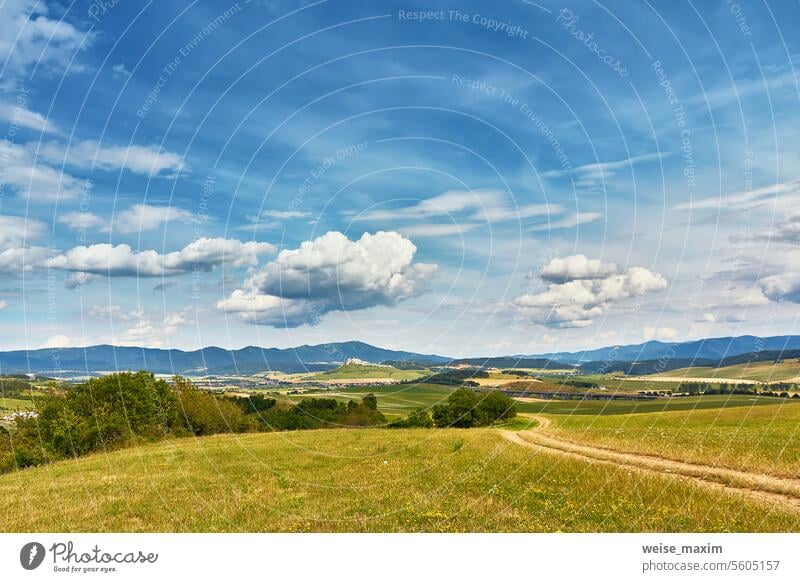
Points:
(16, 114)
(781, 286)
(17, 231)
(121, 261)
(330, 273)
(29, 36)
(576, 267)
(577, 290)
(35, 180)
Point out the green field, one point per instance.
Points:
(756, 371)
(362, 372)
(404, 398)
(763, 438)
(619, 383)
(13, 404)
(624, 407)
(364, 480)
(393, 400)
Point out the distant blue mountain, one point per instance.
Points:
(211, 360)
(249, 360)
(714, 349)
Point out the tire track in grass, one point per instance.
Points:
(763, 487)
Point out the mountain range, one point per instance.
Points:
(712, 349)
(210, 360)
(641, 358)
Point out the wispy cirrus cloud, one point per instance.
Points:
(745, 200)
(570, 221)
(599, 169)
(486, 205)
(148, 160)
(456, 212)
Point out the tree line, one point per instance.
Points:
(464, 408)
(126, 409)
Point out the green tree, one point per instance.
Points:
(495, 406)
(103, 413)
(460, 410)
(205, 414)
(370, 401)
(420, 418)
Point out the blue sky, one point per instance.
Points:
(453, 177)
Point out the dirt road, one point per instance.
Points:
(760, 486)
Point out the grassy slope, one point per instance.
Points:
(759, 371)
(762, 438)
(363, 480)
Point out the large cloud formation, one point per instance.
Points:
(578, 290)
(782, 286)
(330, 273)
(121, 261)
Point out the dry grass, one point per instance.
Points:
(764, 438)
(363, 480)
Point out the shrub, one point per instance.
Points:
(459, 411)
(495, 406)
(465, 409)
(420, 418)
(370, 401)
(205, 414)
(254, 403)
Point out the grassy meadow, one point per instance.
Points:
(363, 480)
(404, 398)
(763, 437)
(393, 400)
(426, 480)
(15, 404)
(363, 372)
